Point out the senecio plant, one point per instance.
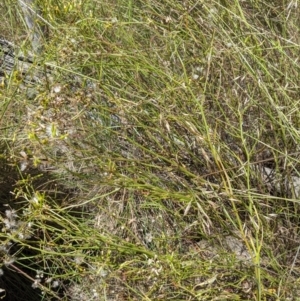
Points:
(150, 150)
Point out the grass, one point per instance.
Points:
(157, 157)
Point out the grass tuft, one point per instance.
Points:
(155, 154)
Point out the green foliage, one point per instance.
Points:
(157, 156)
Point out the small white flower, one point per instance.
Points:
(195, 76)
(55, 284)
(34, 200)
(57, 89)
(8, 260)
(23, 165)
(36, 283)
(11, 214)
(21, 235)
(39, 274)
(168, 19)
(52, 130)
(148, 237)
(150, 261)
(6, 222)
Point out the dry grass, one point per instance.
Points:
(157, 156)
